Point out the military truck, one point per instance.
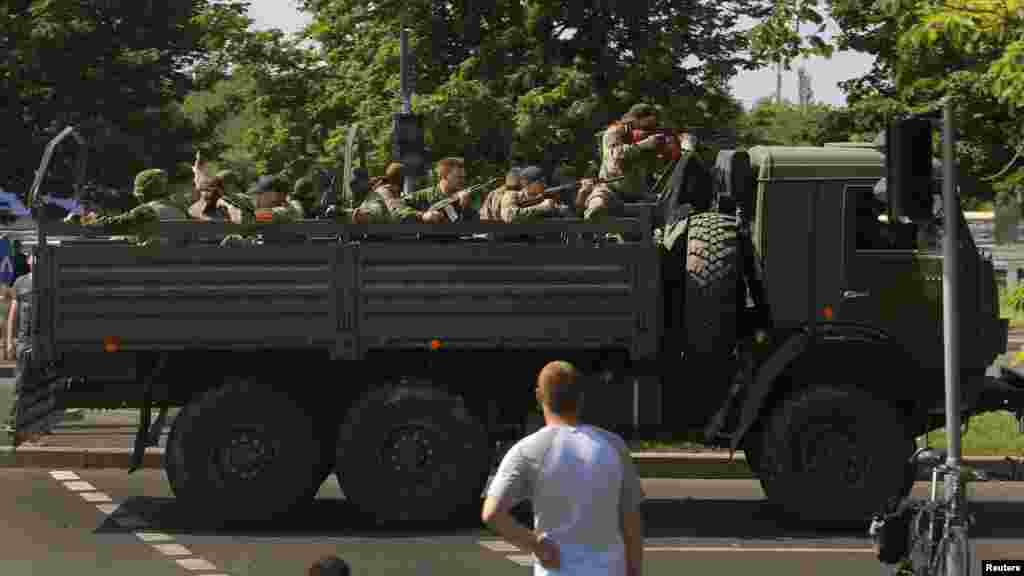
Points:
(742, 301)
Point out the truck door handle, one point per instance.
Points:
(851, 294)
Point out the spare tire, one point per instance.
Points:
(713, 277)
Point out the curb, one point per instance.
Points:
(709, 466)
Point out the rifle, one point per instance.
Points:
(556, 193)
(672, 150)
(447, 206)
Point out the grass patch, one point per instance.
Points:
(1011, 305)
(990, 434)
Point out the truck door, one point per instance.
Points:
(889, 285)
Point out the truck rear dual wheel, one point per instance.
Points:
(413, 455)
(243, 453)
(833, 456)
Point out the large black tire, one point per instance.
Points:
(713, 276)
(171, 450)
(243, 453)
(833, 456)
(412, 455)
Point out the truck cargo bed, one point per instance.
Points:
(351, 298)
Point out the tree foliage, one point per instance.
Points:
(789, 124)
(115, 68)
(925, 50)
(497, 82)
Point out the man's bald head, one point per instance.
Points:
(560, 388)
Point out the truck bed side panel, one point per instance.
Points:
(173, 298)
(510, 297)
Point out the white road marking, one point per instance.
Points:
(153, 536)
(168, 548)
(130, 522)
(522, 560)
(172, 549)
(197, 564)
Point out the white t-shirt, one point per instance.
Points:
(580, 480)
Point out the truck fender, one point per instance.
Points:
(676, 231)
(786, 356)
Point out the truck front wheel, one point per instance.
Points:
(412, 455)
(243, 453)
(833, 456)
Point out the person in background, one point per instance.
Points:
(19, 344)
(6, 304)
(583, 484)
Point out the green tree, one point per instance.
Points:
(496, 81)
(789, 124)
(927, 50)
(118, 69)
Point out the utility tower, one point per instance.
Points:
(805, 94)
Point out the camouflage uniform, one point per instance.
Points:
(157, 205)
(621, 157)
(512, 210)
(233, 194)
(490, 208)
(424, 198)
(304, 195)
(386, 205)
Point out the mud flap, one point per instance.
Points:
(38, 406)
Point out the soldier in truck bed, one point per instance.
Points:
(452, 174)
(533, 182)
(304, 194)
(621, 157)
(385, 203)
(271, 193)
(157, 204)
(490, 209)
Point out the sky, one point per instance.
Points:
(747, 86)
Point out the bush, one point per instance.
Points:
(1015, 300)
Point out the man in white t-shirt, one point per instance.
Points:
(582, 482)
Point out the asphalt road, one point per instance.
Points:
(118, 524)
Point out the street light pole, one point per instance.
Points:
(955, 556)
(405, 62)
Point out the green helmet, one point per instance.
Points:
(151, 185)
(642, 111)
(303, 188)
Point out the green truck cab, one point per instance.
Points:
(738, 304)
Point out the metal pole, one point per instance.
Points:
(951, 331)
(778, 82)
(409, 181)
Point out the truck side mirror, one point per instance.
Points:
(909, 169)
